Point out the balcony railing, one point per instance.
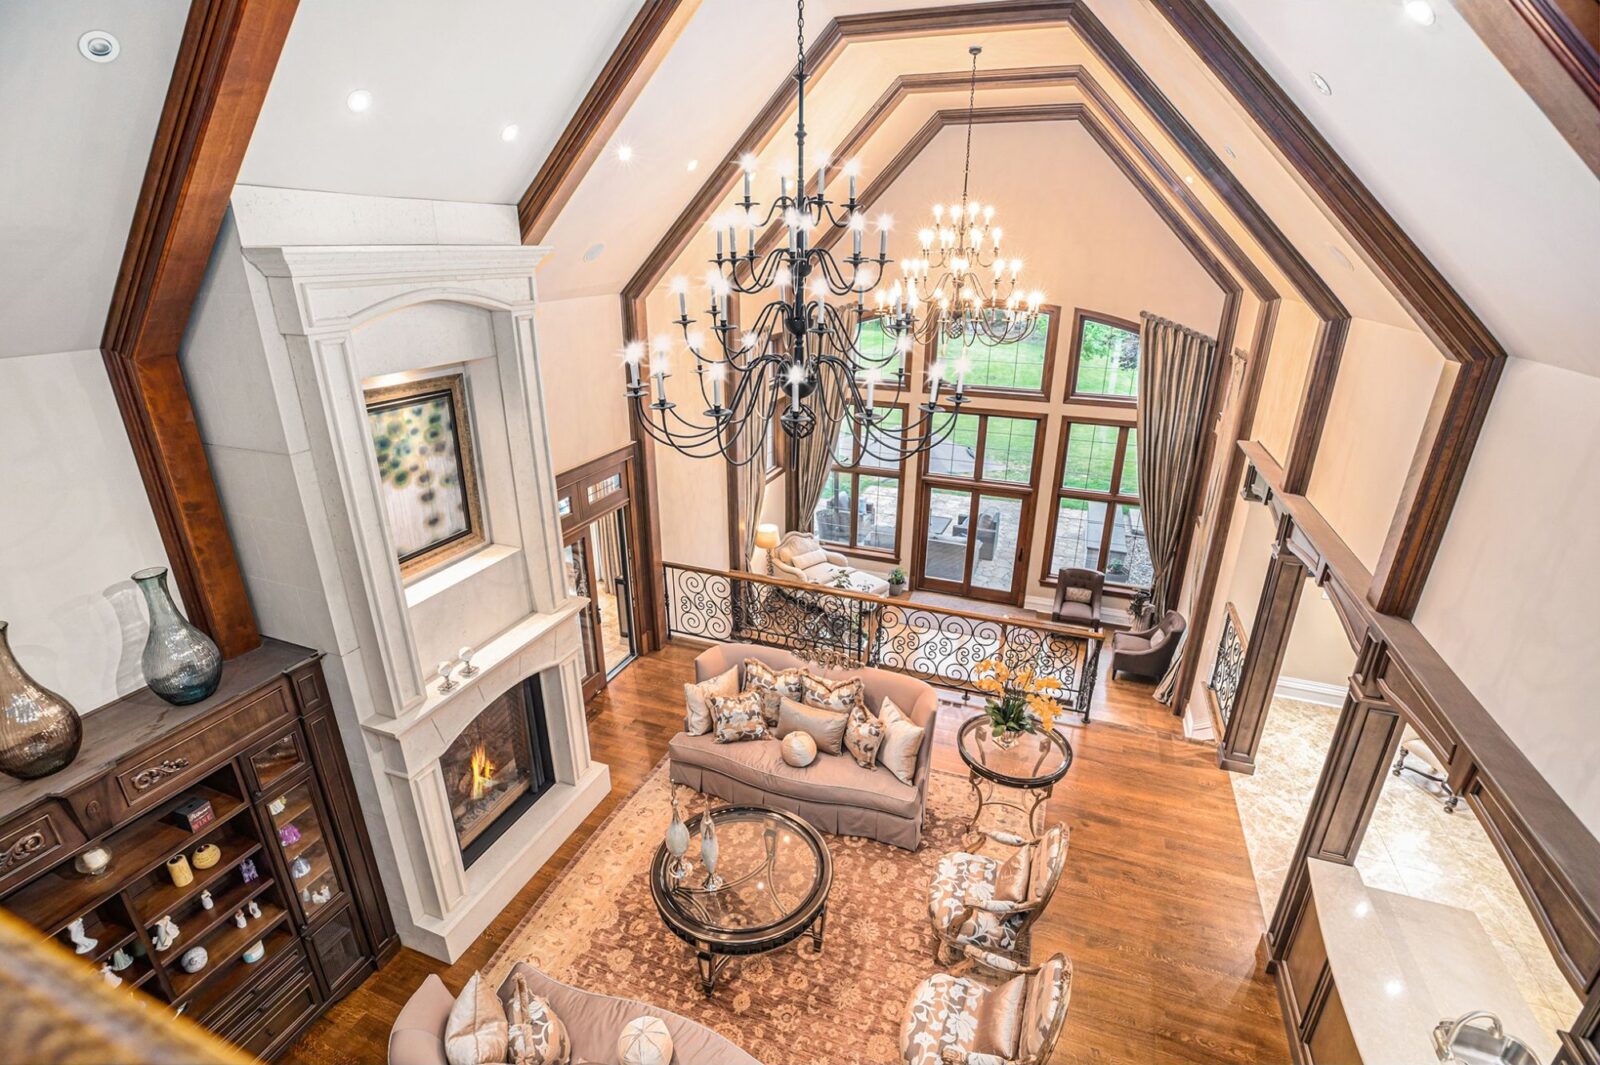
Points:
(843, 628)
(1224, 683)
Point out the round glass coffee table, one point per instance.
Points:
(1031, 763)
(775, 873)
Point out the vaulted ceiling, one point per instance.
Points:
(1425, 115)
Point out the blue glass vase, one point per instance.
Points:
(180, 662)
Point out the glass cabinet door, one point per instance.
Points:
(308, 852)
(277, 760)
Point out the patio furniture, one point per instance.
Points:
(1075, 610)
(1149, 652)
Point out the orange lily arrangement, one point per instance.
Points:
(1022, 701)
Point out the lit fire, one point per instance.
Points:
(482, 772)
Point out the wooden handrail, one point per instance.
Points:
(1053, 627)
(1238, 626)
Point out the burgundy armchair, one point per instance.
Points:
(1147, 653)
(1079, 611)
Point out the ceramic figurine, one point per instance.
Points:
(110, 977)
(178, 869)
(238, 919)
(708, 851)
(677, 839)
(254, 952)
(278, 805)
(253, 909)
(300, 868)
(194, 959)
(207, 855)
(120, 960)
(305, 895)
(322, 895)
(206, 901)
(247, 870)
(81, 943)
(289, 835)
(166, 933)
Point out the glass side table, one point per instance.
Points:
(1031, 764)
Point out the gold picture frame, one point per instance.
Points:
(421, 433)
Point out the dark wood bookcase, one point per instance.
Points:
(265, 753)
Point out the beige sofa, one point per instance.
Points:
(593, 1023)
(833, 793)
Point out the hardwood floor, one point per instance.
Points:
(1157, 909)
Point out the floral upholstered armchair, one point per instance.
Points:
(979, 901)
(955, 1020)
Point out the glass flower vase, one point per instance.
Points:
(677, 840)
(180, 662)
(39, 730)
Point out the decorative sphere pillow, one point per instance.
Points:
(863, 736)
(645, 1041)
(824, 726)
(476, 1030)
(840, 696)
(773, 684)
(537, 1036)
(697, 711)
(738, 718)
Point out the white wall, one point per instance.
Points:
(580, 341)
(1284, 379)
(1318, 650)
(1509, 602)
(78, 523)
(1380, 399)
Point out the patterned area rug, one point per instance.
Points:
(596, 928)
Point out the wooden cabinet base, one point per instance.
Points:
(290, 917)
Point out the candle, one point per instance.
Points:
(872, 384)
(733, 241)
(783, 188)
(852, 188)
(883, 242)
(794, 386)
(746, 184)
(719, 245)
(683, 300)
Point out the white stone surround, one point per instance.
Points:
(280, 400)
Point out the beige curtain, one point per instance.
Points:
(752, 483)
(813, 456)
(1174, 397)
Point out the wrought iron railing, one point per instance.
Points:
(840, 627)
(1224, 682)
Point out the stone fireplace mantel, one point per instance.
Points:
(304, 500)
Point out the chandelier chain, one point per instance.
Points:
(972, 101)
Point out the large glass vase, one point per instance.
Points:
(39, 730)
(180, 662)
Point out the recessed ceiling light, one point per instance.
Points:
(625, 153)
(358, 101)
(1340, 257)
(509, 133)
(692, 165)
(1420, 12)
(1321, 83)
(98, 46)
(592, 252)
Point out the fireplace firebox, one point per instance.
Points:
(497, 768)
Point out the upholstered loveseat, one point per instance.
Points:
(593, 1023)
(833, 792)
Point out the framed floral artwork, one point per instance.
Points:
(427, 470)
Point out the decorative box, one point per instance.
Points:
(194, 813)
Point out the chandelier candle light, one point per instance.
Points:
(941, 293)
(799, 352)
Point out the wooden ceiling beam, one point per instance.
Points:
(225, 63)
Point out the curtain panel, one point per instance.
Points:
(813, 457)
(1175, 365)
(751, 484)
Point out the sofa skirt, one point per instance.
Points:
(902, 832)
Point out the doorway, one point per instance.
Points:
(597, 562)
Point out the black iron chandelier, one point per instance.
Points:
(961, 287)
(799, 353)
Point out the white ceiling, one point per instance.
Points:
(445, 79)
(1457, 152)
(76, 139)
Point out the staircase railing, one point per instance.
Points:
(845, 628)
(1224, 682)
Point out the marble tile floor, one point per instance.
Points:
(1412, 848)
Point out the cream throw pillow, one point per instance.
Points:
(901, 741)
(1079, 595)
(476, 1031)
(824, 726)
(806, 560)
(697, 718)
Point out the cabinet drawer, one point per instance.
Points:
(285, 1008)
(158, 774)
(37, 839)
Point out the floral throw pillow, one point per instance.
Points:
(863, 736)
(537, 1035)
(774, 685)
(741, 717)
(841, 696)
